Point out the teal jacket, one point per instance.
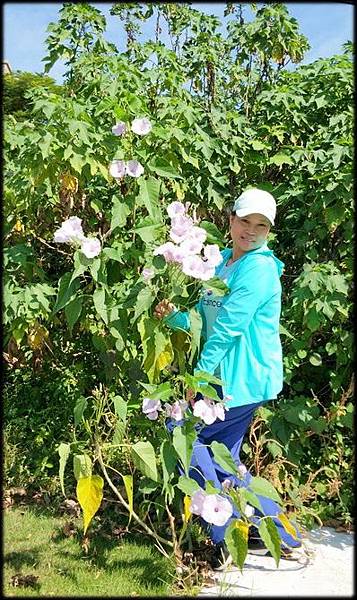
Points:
(245, 340)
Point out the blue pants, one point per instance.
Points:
(230, 432)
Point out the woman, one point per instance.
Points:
(242, 343)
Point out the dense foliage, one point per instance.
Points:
(80, 334)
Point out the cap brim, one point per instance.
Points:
(243, 212)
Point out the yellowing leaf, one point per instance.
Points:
(243, 528)
(128, 482)
(186, 508)
(69, 183)
(289, 528)
(164, 358)
(89, 495)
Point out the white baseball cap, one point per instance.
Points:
(255, 201)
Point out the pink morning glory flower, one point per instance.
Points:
(117, 169)
(207, 271)
(197, 233)
(134, 168)
(91, 247)
(191, 246)
(180, 227)
(70, 231)
(119, 128)
(197, 500)
(192, 265)
(208, 411)
(176, 410)
(227, 484)
(216, 509)
(213, 254)
(141, 126)
(151, 407)
(147, 273)
(170, 252)
(175, 209)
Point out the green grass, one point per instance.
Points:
(35, 544)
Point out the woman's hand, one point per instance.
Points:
(163, 309)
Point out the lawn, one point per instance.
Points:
(49, 548)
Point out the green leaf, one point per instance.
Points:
(79, 409)
(236, 538)
(187, 485)
(148, 230)
(144, 301)
(163, 168)
(315, 359)
(280, 159)
(195, 331)
(63, 451)
(263, 487)
(82, 466)
(217, 286)
(149, 191)
(66, 291)
(100, 304)
(168, 461)
(120, 213)
(120, 407)
(183, 440)
(223, 457)
(73, 311)
(144, 458)
(269, 533)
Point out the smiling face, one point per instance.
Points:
(249, 232)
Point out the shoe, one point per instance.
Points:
(221, 558)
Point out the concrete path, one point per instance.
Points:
(326, 570)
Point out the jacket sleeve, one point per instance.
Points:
(252, 286)
(179, 319)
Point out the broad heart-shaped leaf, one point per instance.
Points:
(289, 527)
(269, 533)
(168, 461)
(183, 440)
(63, 451)
(223, 457)
(90, 495)
(149, 197)
(144, 458)
(128, 482)
(82, 466)
(236, 538)
(187, 485)
(66, 291)
(263, 487)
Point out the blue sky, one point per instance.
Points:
(326, 25)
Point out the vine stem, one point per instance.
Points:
(157, 537)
